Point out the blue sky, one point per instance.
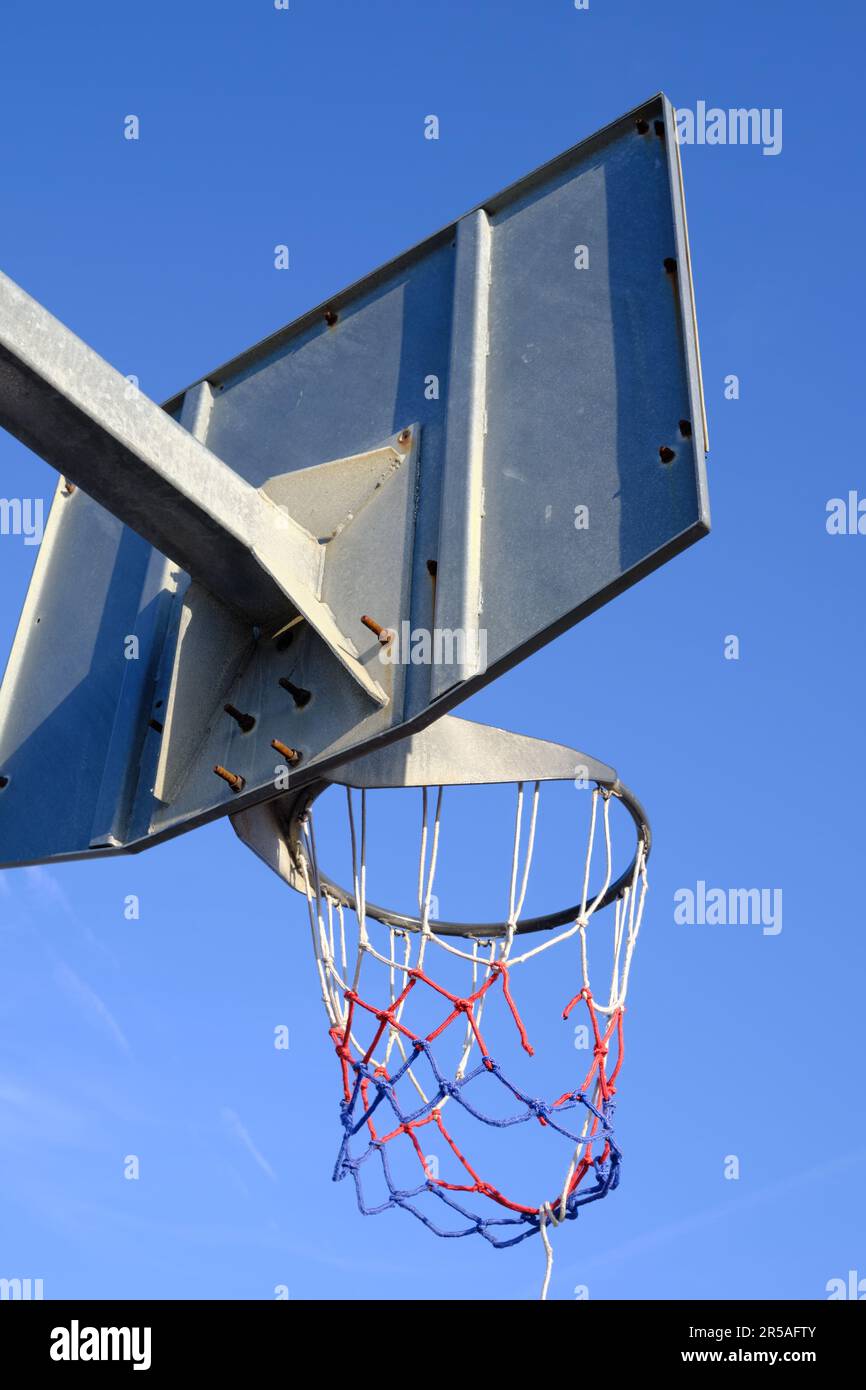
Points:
(154, 1037)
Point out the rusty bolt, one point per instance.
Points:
(666, 454)
(384, 634)
(331, 317)
(245, 722)
(68, 488)
(236, 783)
(404, 438)
(291, 755)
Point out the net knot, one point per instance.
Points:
(341, 1044)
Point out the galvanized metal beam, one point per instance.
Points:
(62, 400)
(458, 590)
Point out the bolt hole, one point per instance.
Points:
(432, 568)
(4, 783)
(686, 429)
(641, 126)
(156, 726)
(670, 265)
(666, 454)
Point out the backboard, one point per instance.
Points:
(475, 447)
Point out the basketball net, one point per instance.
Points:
(396, 1090)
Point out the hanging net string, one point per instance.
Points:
(397, 1093)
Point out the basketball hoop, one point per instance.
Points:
(378, 968)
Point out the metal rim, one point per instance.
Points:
(545, 922)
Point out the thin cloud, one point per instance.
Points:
(688, 1225)
(90, 1004)
(31, 1116)
(44, 886)
(233, 1123)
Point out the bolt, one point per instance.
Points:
(245, 722)
(686, 429)
(68, 488)
(384, 634)
(4, 783)
(291, 755)
(300, 696)
(666, 454)
(236, 783)
(156, 726)
(331, 317)
(641, 126)
(404, 438)
(670, 265)
(432, 568)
